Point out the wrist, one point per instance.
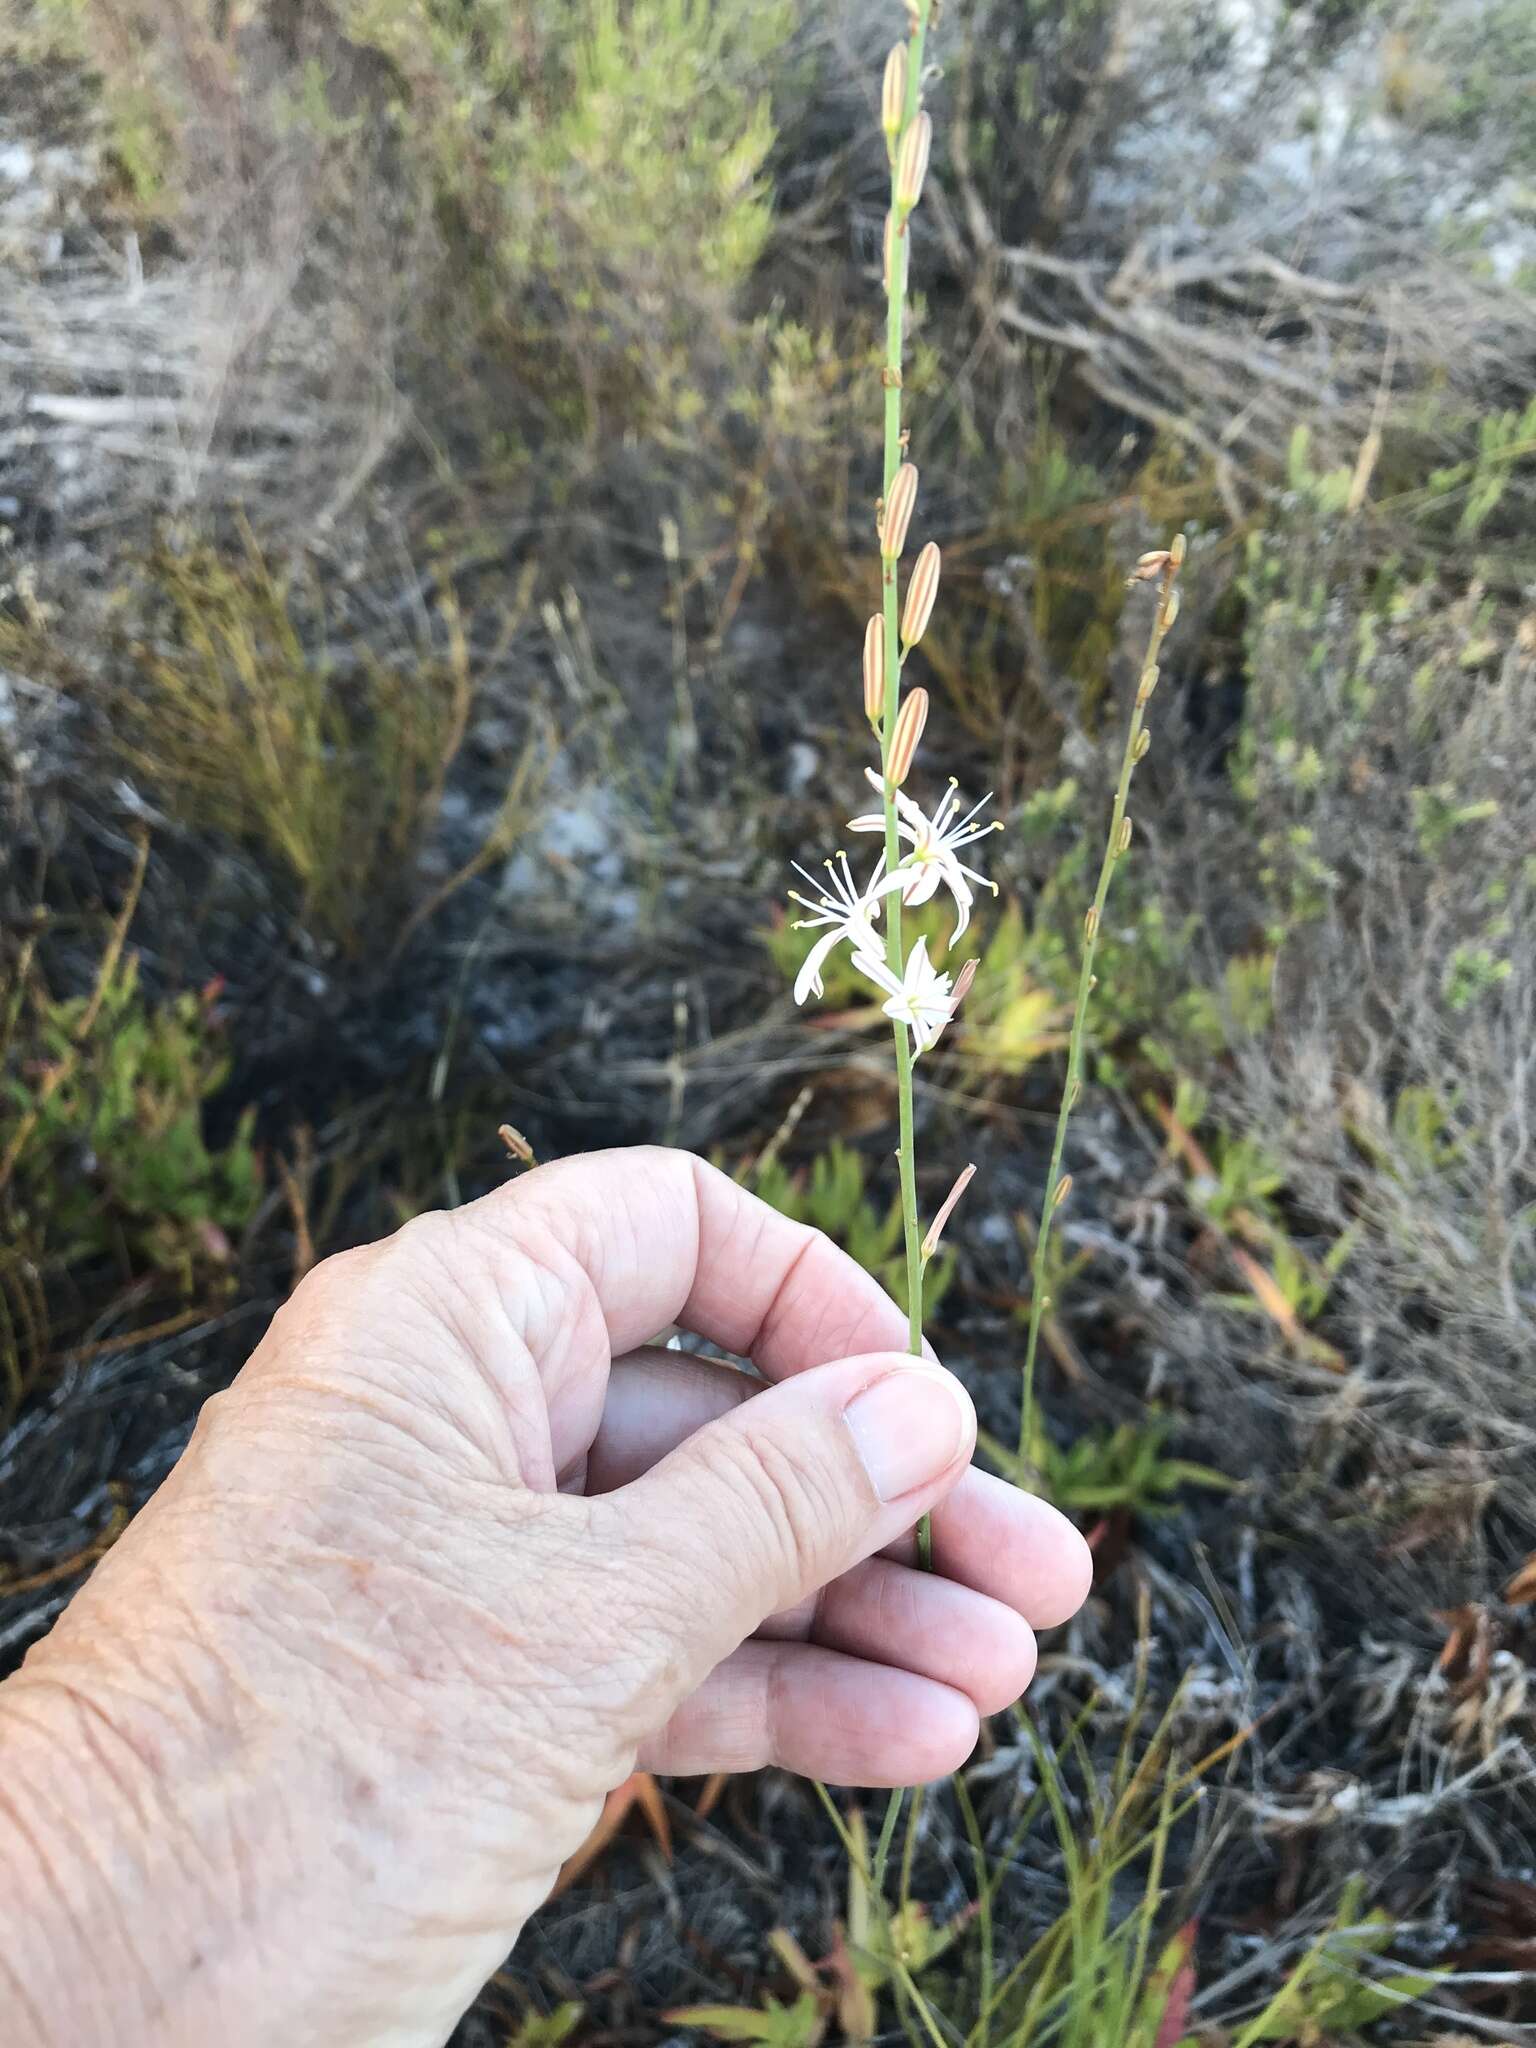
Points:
(225, 1815)
(95, 1864)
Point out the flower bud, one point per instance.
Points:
(1170, 610)
(1091, 924)
(893, 94)
(1150, 565)
(912, 162)
(1063, 1189)
(874, 671)
(1123, 837)
(921, 592)
(947, 1209)
(1177, 552)
(910, 720)
(888, 250)
(1147, 684)
(900, 499)
(1143, 742)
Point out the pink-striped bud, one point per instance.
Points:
(921, 592)
(947, 1209)
(874, 671)
(910, 720)
(912, 162)
(893, 93)
(888, 252)
(897, 516)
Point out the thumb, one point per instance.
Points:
(764, 1506)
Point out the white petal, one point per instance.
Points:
(871, 821)
(919, 967)
(871, 965)
(923, 879)
(959, 888)
(808, 980)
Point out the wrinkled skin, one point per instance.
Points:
(451, 1556)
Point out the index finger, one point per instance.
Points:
(641, 1238)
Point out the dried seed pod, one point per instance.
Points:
(910, 720)
(893, 93)
(897, 515)
(1142, 744)
(921, 592)
(912, 162)
(874, 670)
(1123, 837)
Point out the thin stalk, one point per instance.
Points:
(1162, 620)
(895, 324)
(906, 1146)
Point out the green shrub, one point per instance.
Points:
(245, 716)
(108, 1092)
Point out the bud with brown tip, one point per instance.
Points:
(910, 720)
(897, 516)
(921, 592)
(874, 671)
(1150, 565)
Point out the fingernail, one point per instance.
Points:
(909, 1427)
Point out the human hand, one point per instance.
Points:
(454, 1552)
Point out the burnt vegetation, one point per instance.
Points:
(436, 538)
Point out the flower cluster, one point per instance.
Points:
(922, 997)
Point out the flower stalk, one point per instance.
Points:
(896, 510)
(1161, 567)
(920, 850)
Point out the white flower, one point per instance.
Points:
(920, 999)
(935, 842)
(847, 911)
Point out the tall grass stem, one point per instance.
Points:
(1057, 1185)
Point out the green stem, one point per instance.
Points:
(895, 322)
(906, 1146)
(1072, 1086)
